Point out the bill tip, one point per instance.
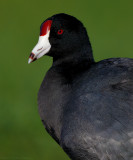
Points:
(29, 61)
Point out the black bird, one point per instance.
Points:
(86, 106)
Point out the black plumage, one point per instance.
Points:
(87, 107)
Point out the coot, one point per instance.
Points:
(87, 107)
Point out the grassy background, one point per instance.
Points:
(110, 27)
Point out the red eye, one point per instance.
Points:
(60, 31)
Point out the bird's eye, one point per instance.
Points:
(60, 31)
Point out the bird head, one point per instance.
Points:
(61, 36)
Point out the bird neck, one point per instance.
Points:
(78, 59)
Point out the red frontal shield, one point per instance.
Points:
(45, 27)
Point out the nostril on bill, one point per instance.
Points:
(40, 49)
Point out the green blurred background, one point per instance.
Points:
(110, 27)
